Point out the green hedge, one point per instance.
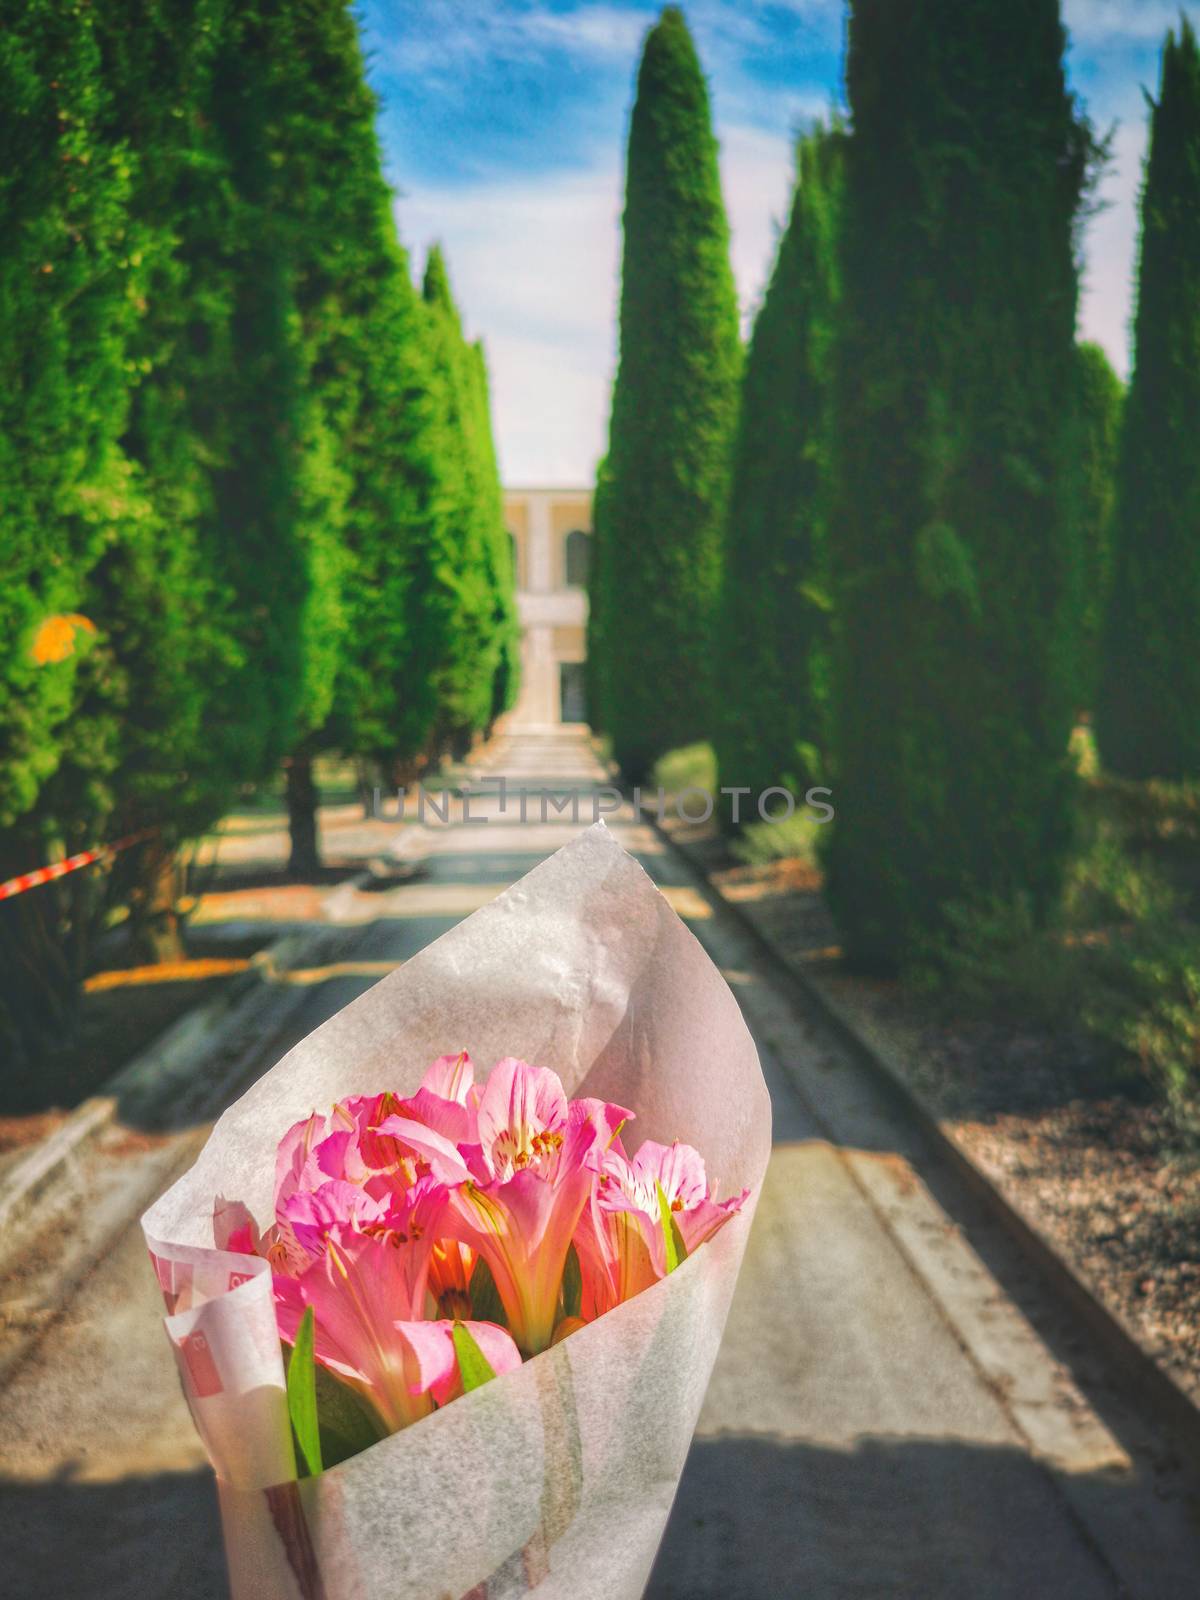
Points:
(955, 553)
(773, 631)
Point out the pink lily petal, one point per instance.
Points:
(312, 1214)
(594, 1129)
(595, 1247)
(531, 1180)
(433, 1346)
(359, 1111)
(337, 1156)
(234, 1228)
(451, 1078)
(523, 1230)
(294, 1157)
(451, 1119)
(621, 1245)
(677, 1167)
(379, 1135)
(356, 1288)
(703, 1220)
(522, 1117)
(431, 1149)
(620, 1253)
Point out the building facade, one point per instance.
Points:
(551, 533)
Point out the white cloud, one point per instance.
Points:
(469, 33)
(535, 264)
(595, 30)
(1100, 23)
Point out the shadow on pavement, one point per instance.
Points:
(141, 1538)
(755, 1519)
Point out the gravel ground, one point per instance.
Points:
(1101, 1178)
(1097, 1171)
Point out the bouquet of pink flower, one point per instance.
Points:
(498, 1311)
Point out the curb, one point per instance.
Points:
(147, 1081)
(1172, 1406)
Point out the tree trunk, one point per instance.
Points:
(403, 771)
(153, 918)
(305, 859)
(366, 788)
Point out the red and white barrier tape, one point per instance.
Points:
(59, 869)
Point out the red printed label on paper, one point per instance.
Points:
(202, 1368)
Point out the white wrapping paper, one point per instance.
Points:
(556, 1479)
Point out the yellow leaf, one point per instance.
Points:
(54, 639)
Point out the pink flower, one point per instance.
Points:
(532, 1170)
(379, 1145)
(387, 1143)
(621, 1240)
(383, 1208)
(368, 1278)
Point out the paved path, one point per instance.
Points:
(897, 1410)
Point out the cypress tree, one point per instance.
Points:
(1097, 422)
(329, 196)
(954, 554)
(1146, 718)
(155, 587)
(468, 644)
(501, 576)
(673, 413)
(398, 537)
(773, 631)
(228, 427)
(255, 541)
(401, 588)
(69, 284)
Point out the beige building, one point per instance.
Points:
(551, 531)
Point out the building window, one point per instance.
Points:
(572, 691)
(515, 552)
(579, 557)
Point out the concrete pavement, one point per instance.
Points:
(898, 1408)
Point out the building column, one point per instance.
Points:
(541, 581)
(541, 552)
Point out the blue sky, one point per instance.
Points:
(504, 121)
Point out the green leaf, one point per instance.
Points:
(473, 1366)
(572, 1284)
(486, 1304)
(681, 1249)
(676, 1250)
(348, 1424)
(302, 1396)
